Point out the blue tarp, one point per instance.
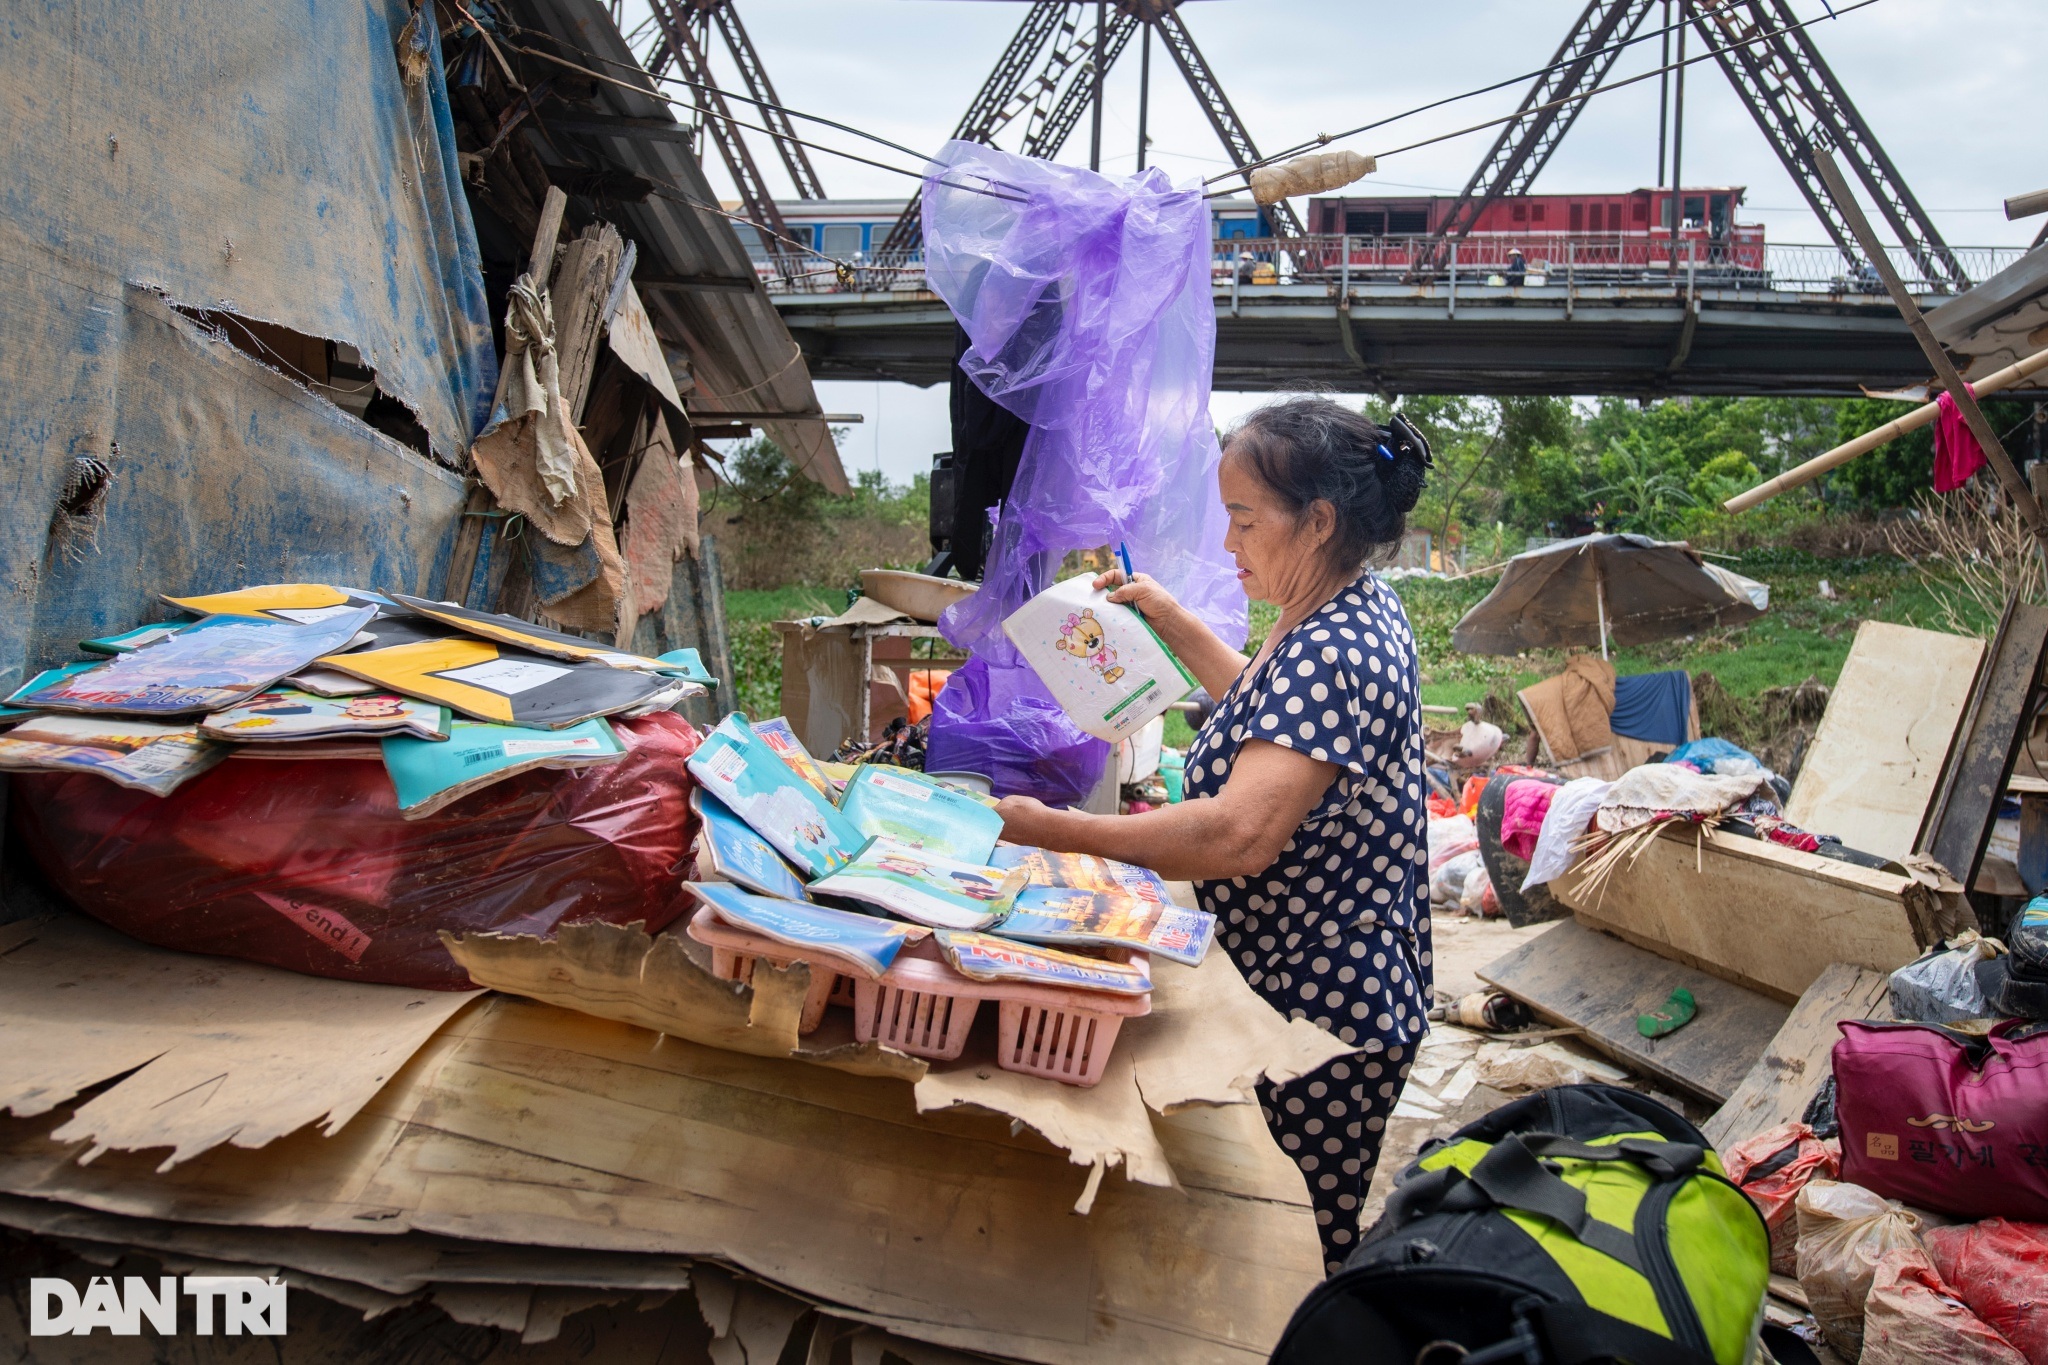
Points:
(263, 159)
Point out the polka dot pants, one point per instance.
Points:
(1331, 1122)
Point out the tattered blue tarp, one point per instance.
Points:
(270, 160)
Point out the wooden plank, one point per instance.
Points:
(1959, 824)
(1782, 1083)
(1756, 913)
(1575, 975)
(1877, 757)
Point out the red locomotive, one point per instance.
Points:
(1589, 234)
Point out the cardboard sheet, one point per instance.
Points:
(527, 1124)
(217, 1050)
(1207, 1041)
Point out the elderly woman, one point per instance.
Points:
(1305, 828)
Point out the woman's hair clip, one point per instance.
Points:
(1385, 454)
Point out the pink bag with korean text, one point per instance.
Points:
(1945, 1121)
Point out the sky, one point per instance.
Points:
(1944, 84)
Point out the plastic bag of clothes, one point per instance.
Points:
(1913, 1318)
(307, 864)
(2000, 1269)
(1844, 1231)
(1571, 810)
(1447, 882)
(1478, 897)
(1772, 1168)
(1941, 987)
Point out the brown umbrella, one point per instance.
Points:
(1586, 591)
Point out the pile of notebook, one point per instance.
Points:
(448, 698)
(858, 869)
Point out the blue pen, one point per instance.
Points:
(1130, 574)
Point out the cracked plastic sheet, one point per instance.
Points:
(1086, 301)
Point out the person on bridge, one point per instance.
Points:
(1305, 830)
(1518, 269)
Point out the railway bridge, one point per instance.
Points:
(1298, 312)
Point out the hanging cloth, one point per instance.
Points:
(1956, 453)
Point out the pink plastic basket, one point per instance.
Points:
(734, 952)
(923, 1007)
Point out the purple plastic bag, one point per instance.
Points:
(1087, 304)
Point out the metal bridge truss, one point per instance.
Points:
(1782, 78)
(1049, 68)
(684, 28)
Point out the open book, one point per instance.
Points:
(923, 886)
(983, 957)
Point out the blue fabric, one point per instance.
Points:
(1653, 707)
(1336, 931)
(1705, 753)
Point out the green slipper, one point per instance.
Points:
(1676, 1014)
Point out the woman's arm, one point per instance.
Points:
(1239, 832)
(1214, 664)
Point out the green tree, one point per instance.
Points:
(1722, 477)
(1643, 486)
(1551, 489)
(1481, 445)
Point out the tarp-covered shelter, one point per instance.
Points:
(246, 332)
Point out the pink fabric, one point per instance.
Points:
(1956, 453)
(1523, 807)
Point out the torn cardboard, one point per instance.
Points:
(217, 1051)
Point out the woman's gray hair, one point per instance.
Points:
(1309, 450)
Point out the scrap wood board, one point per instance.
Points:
(525, 1123)
(1992, 736)
(1784, 1079)
(1575, 975)
(1877, 757)
(1755, 913)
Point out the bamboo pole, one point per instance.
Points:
(1919, 417)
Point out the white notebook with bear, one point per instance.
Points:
(1101, 661)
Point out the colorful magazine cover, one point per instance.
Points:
(1108, 919)
(909, 808)
(741, 856)
(751, 778)
(127, 641)
(430, 774)
(778, 735)
(306, 603)
(496, 683)
(283, 715)
(1080, 871)
(984, 957)
(862, 941)
(923, 886)
(145, 755)
(210, 665)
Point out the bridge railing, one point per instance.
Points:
(1740, 261)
